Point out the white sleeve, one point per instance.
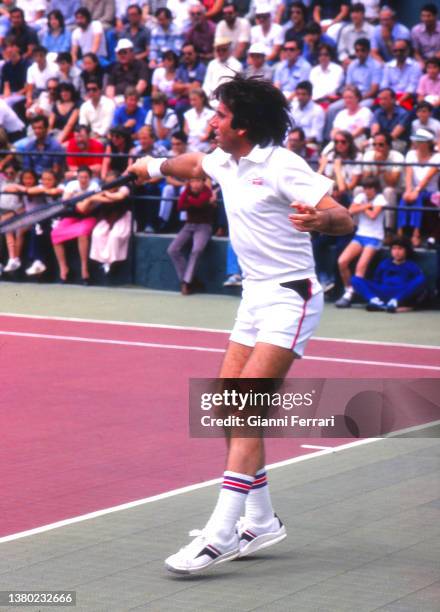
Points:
(379, 200)
(360, 198)
(297, 181)
(210, 163)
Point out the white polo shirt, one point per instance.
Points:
(257, 192)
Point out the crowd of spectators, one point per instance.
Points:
(127, 78)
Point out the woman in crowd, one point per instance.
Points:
(56, 38)
(196, 121)
(91, 68)
(65, 112)
(76, 228)
(111, 235)
(354, 118)
(345, 175)
(163, 77)
(420, 183)
(120, 143)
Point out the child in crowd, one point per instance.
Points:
(10, 204)
(198, 201)
(397, 285)
(368, 207)
(47, 192)
(79, 227)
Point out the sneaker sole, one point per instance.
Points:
(263, 541)
(230, 556)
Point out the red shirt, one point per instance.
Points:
(94, 147)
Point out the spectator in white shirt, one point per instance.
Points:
(266, 32)
(354, 118)
(38, 74)
(222, 67)
(307, 114)
(88, 37)
(196, 121)
(98, 111)
(327, 77)
(238, 29)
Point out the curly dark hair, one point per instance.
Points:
(258, 107)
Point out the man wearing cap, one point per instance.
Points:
(223, 67)
(238, 29)
(256, 63)
(126, 72)
(266, 32)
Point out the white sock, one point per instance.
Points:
(230, 506)
(259, 510)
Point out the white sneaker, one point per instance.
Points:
(12, 265)
(254, 538)
(201, 554)
(234, 280)
(37, 267)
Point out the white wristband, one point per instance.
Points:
(153, 167)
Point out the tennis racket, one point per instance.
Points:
(30, 218)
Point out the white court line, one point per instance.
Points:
(184, 347)
(315, 446)
(173, 493)
(205, 329)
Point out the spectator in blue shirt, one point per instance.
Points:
(398, 284)
(42, 143)
(57, 39)
(292, 70)
(164, 36)
(313, 37)
(136, 32)
(189, 75)
(403, 73)
(130, 115)
(386, 33)
(391, 118)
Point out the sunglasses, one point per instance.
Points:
(340, 142)
(92, 89)
(380, 144)
(290, 48)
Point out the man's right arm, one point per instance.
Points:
(186, 166)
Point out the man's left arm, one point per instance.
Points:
(327, 217)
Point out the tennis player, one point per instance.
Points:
(282, 299)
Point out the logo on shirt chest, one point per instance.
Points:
(257, 180)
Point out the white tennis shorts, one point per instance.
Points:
(283, 314)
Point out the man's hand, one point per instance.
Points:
(140, 168)
(305, 218)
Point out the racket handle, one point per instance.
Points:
(118, 182)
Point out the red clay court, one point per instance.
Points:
(94, 414)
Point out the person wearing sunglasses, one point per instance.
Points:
(267, 32)
(390, 177)
(402, 74)
(97, 111)
(201, 32)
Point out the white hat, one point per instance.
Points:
(263, 8)
(222, 41)
(423, 135)
(257, 49)
(124, 43)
